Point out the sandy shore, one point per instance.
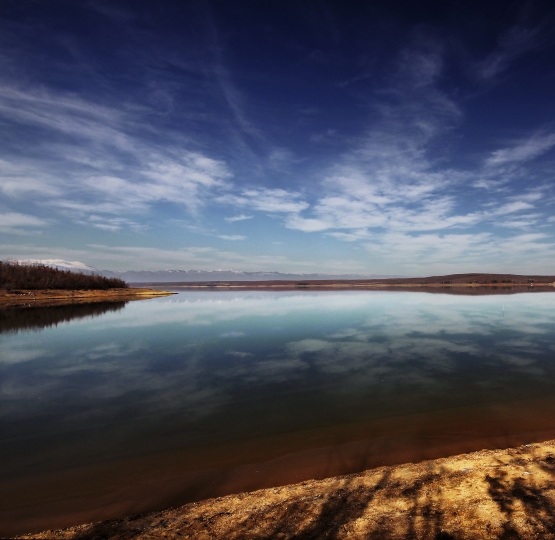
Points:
(28, 298)
(488, 494)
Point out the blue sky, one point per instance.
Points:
(405, 138)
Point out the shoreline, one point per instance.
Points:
(456, 283)
(506, 493)
(50, 297)
(358, 286)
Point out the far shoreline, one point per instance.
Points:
(454, 283)
(461, 284)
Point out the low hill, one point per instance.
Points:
(473, 279)
(39, 276)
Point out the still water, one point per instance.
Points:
(117, 409)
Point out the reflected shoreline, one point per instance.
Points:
(17, 319)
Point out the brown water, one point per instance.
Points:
(203, 394)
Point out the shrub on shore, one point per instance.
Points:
(38, 276)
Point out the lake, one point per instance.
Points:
(114, 409)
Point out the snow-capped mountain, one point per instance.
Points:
(176, 276)
(74, 266)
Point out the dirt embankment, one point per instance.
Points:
(489, 494)
(30, 298)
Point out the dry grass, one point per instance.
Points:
(29, 298)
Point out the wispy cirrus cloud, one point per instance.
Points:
(513, 44)
(109, 167)
(26, 179)
(389, 182)
(240, 217)
(278, 201)
(522, 151)
(388, 170)
(14, 222)
(122, 257)
(65, 114)
(232, 237)
(179, 139)
(184, 180)
(461, 252)
(107, 223)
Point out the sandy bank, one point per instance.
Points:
(487, 494)
(28, 298)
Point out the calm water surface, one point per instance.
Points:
(118, 409)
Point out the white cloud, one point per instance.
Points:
(106, 168)
(357, 205)
(386, 181)
(231, 237)
(389, 184)
(17, 180)
(182, 180)
(112, 223)
(14, 222)
(532, 195)
(14, 219)
(489, 185)
(110, 163)
(526, 150)
(524, 222)
(118, 257)
(512, 207)
(240, 217)
(295, 221)
(69, 115)
(456, 253)
(272, 201)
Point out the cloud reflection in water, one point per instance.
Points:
(295, 357)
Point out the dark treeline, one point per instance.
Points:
(38, 276)
(13, 320)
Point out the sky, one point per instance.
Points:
(388, 137)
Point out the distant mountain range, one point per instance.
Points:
(174, 276)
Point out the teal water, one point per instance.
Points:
(164, 401)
